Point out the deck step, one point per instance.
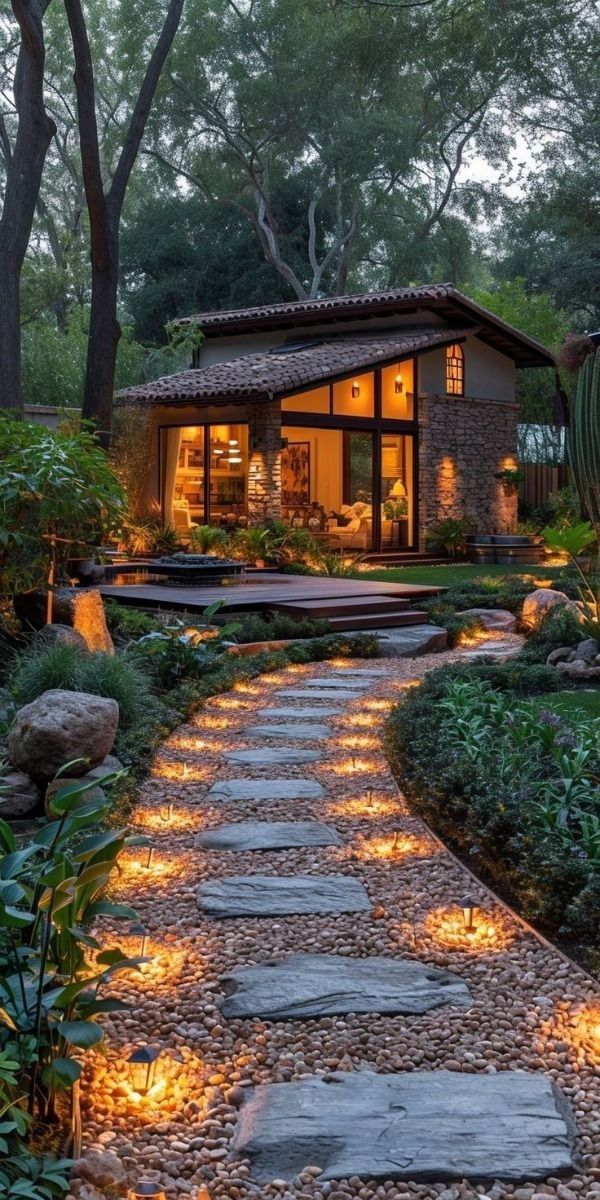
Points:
(340, 606)
(379, 620)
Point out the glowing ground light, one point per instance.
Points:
(182, 772)
(194, 744)
(395, 847)
(489, 933)
(214, 722)
(141, 871)
(361, 721)
(165, 818)
(247, 689)
(578, 1026)
(379, 705)
(358, 741)
(357, 766)
(379, 806)
(230, 703)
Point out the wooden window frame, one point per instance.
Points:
(455, 370)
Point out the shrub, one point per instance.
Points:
(117, 678)
(450, 535)
(558, 628)
(128, 623)
(171, 659)
(509, 786)
(41, 668)
(54, 484)
(255, 628)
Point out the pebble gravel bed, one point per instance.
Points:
(531, 1011)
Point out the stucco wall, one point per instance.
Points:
(462, 444)
(489, 375)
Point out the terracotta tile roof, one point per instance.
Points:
(265, 375)
(334, 305)
(441, 298)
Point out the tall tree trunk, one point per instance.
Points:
(23, 176)
(105, 207)
(104, 333)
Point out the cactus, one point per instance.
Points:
(584, 438)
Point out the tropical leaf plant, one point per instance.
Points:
(54, 972)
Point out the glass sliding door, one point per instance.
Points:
(228, 474)
(397, 491)
(183, 477)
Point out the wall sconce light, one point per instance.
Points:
(140, 931)
(145, 1188)
(469, 907)
(355, 390)
(398, 385)
(142, 1068)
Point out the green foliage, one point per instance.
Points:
(52, 992)
(170, 658)
(42, 666)
(126, 622)
(483, 591)
(255, 628)
(208, 539)
(512, 788)
(558, 628)
(569, 539)
(450, 535)
(148, 535)
(53, 361)
(573, 540)
(53, 485)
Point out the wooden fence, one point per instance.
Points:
(539, 481)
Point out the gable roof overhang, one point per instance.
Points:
(442, 298)
(275, 374)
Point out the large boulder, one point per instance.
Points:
(19, 796)
(538, 604)
(61, 726)
(411, 641)
(492, 618)
(79, 608)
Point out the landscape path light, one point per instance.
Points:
(142, 1068)
(469, 907)
(145, 1188)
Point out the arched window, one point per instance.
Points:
(455, 370)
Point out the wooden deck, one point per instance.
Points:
(270, 590)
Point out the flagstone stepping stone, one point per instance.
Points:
(321, 985)
(353, 685)
(266, 789)
(367, 672)
(316, 710)
(313, 733)
(270, 757)
(307, 694)
(421, 1125)
(278, 896)
(268, 835)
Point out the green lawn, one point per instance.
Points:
(453, 573)
(568, 704)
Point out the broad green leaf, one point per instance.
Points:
(82, 1034)
(62, 1073)
(106, 908)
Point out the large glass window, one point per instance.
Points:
(327, 485)
(397, 492)
(397, 392)
(186, 473)
(316, 401)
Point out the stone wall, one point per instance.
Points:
(463, 443)
(264, 462)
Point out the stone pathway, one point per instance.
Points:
(327, 1026)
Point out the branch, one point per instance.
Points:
(142, 107)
